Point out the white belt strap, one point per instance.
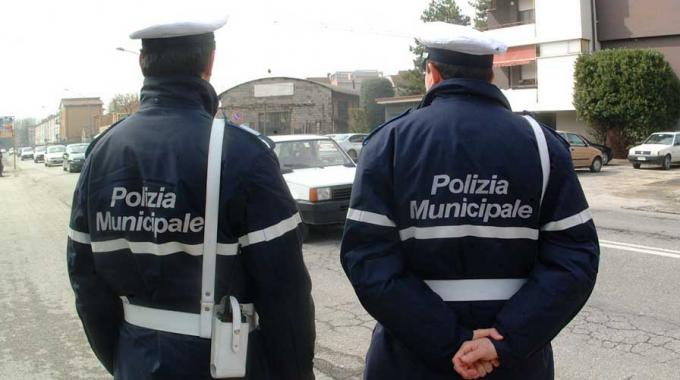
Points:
(476, 290)
(174, 321)
(542, 151)
(212, 206)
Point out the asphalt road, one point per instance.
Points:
(630, 328)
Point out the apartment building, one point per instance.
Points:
(352, 80)
(641, 24)
(79, 119)
(47, 131)
(545, 37)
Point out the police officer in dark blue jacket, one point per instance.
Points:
(136, 231)
(468, 235)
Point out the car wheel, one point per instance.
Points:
(605, 158)
(596, 166)
(636, 165)
(667, 162)
(353, 155)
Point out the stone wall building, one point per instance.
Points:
(283, 105)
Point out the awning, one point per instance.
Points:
(516, 56)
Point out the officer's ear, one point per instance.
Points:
(432, 75)
(207, 72)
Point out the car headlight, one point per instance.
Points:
(320, 194)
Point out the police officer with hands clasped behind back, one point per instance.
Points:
(468, 238)
(136, 239)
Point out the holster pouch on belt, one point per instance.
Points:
(229, 343)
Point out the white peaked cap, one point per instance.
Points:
(458, 38)
(179, 24)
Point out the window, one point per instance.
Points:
(274, 123)
(522, 76)
(575, 140)
(357, 138)
(677, 139)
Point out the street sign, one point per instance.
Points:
(6, 126)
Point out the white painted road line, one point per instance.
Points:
(673, 254)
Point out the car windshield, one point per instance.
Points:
(56, 149)
(661, 138)
(77, 148)
(40, 149)
(310, 154)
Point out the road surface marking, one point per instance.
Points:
(640, 249)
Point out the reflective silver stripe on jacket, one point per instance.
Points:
(272, 232)
(151, 248)
(567, 223)
(370, 217)
(448, 232)
(476, 290)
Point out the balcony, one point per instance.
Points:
(509, 13)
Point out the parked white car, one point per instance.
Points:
(319, 175)
(54, 155)
(661, 148)
(351, 143)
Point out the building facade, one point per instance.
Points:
(283, 105)
(545, 37)
(79, 119)
(641, 24)
(352, 80)
(47, 131)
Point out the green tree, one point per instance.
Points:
(124, 103)
(358, 121)
(371, 89)
(412, 82)
(626, 94)
(481, 13)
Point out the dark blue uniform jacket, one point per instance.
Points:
(452, 191)
(136, 230)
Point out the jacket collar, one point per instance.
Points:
(464, 87)
(179, 91)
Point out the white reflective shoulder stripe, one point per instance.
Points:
(370, 217)
(272, 232)
(212, 206)
(567, 223)
(542, 151)
(476, 290)
(449, 232)
(79, 237)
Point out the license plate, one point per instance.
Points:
(642, 158)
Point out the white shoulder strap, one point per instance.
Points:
(542, 152)
(212, 203)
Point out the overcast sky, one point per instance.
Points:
(67, 48)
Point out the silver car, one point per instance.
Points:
(351, 143)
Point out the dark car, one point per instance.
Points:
(606, 151)
(74, 157)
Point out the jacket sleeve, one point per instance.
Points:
(272, 252)
(98, 307)
(565, 270)
(372, 259)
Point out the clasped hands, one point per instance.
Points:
(477, 358)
